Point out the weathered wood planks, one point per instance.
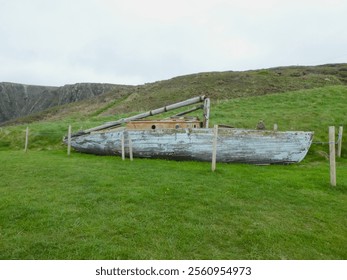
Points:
(234, 145)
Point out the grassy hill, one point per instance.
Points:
(311, 110)
(217, 85)
(91, 207)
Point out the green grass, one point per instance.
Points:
(217, 85)
(307, 110)
(90, 207)
(228, 85)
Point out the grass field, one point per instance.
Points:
(91, 207)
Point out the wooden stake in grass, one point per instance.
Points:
(339, 142)
(69, 141)
(123, 146)
(214, 147)
(206, 112)
(275, 127)
(332, 156)
(26, 139)
(130, 149)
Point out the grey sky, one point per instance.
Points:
(50, 42)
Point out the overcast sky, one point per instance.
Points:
(56, 42)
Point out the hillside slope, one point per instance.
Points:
(18, 100)
(229, 85)
(217, 85)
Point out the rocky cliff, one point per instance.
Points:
(18, 100)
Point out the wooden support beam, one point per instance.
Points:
(207, 105)
(332, 156)
(69, 141)
(130, 148)
(161, 110)
(26, 139)
(123, 146)
(339, 142)
(214, 147)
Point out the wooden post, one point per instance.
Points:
(26, 139)
(69, 141)
(332, 156)
(339, 143)
(275, 127)
(214, 147)
(206, 112)
(123, 148)
(130, 149)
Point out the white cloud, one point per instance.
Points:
(136, 41)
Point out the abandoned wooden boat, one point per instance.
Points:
(182, 138)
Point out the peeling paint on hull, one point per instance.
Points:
(233, 145)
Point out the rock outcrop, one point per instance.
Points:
(18, 100)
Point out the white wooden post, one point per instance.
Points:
(123, 148)
(275, 127)
(69, 141)
(332, 156)
(26, 139)
(206, 112)
(130, 149)
(214, 147)
(339, 143)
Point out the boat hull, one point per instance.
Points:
(233, 145)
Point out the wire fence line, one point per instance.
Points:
(4, 132)
(46, 134)
(60, 135)
(339, 137)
